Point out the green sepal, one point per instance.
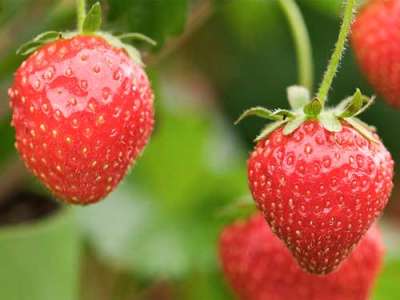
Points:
(284, 113)
(313, 108)
(269, 129)
(48, 36)
(92, 22)
(136, 36)
(363, 128)
(38, 41)
(293, 124)
(354, 105)
(367, 102)
(29, 47)
(330, 122)
(260, 112)
(298, 96)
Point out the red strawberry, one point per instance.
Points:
(83, 112)
(319, 190)
(259, 267)
(376, 40)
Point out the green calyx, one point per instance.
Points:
(304, 108)
(89, 24)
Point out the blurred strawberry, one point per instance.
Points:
(376, 39)
(259, 267)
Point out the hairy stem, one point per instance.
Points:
(81, 13)
(338, 52)
(302, 42)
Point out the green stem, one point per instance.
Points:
(302, 41)
(338, 52)
(81, 13)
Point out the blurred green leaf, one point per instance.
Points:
(40, 261)
(157, 19)
(387, 286)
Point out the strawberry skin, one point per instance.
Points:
(259, 267)
(376, 39)
(320, 191)
(82, 112)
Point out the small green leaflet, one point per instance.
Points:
(259, 112)
(354, 105)
(313, 108)
(92, 22)
(137, 36)
(269, 129)
(298, 96)
(292, 125)
(38, 41)
(362, 128)
(330, 122)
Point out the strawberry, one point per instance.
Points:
(375, 39)
(83, 112)
(319, 174)
(320, 191)
(259, 267)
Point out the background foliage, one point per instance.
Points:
(155, 236)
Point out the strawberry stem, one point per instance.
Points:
(302, 42)
(81, 13)
(338, 52)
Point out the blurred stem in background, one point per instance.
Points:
(338, 52)
(81, 13)
(302, 42)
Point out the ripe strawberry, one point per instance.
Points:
(83, 112)
(320, 191)
(375, 40)
(259, 267)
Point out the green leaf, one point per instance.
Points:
(284, 113)
(368, 101)
(298, 96)
(362, 128)
(269, 129)
(34, 254)
(353, 106)
(259, 112)
(313, 108)
(292, 125)
(38, 41)
(137, 36)
(387, 285)
(330, 122)
(48, 36)
(29, 47)
(92, 22)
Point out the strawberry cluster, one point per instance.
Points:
(320, 177)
